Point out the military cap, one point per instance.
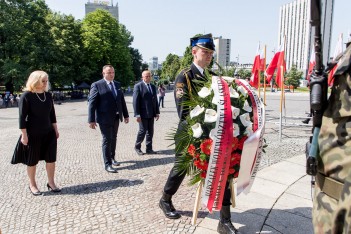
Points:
(204, 41)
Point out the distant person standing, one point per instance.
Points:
(107, 107)
(146, 110)
(37, 122)
(161, 95)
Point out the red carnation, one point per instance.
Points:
(206, 146)
(203, 174)
(235, 143)
(192, 150)
(231, 171)
(202, 165)
(235, 159)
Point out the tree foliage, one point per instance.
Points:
(170, 67)
(293, 77)
(32, 37)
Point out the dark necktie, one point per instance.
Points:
(149, 88)
(113, 90)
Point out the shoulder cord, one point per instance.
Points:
(189, 84)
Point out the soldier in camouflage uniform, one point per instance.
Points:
(332, 201)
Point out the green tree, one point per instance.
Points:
(293, 77)
(137, 61)
(24, 40)
(66, 64)
(170, 67)
(106, 42)
(244, 73)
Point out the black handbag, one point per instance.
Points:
(20, 155)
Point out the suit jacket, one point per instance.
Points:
(102, 104)
(144, 103)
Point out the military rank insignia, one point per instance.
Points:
(179, 90)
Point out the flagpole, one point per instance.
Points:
(282, 92)
(281, 103)
(264, 77)
(259, 84)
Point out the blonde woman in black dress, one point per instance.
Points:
(37, 122)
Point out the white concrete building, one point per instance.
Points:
(222, 55)
(294, 24)
(92, 5)
(153, 64)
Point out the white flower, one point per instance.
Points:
(204, 92)
(247, 107)
(210, 116)
(228, 79)
(196, 111)
(233, 93)
(235, 112)
(242, 90)
(236, 130)
(248, 130)
(197, 130)
(245, 119)
(212, 134)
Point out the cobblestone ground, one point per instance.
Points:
(94, 201)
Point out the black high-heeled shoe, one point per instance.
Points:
(56, 190)
(37, 193)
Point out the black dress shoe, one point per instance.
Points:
(56, 190)
(115, 163)
(110, 169)
(166, 207)
(151, 152)
(139, 152)
(37, 193)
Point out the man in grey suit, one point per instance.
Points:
(146, 109)
(107, 107)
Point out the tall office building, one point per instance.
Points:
(153, 64)
(91, 6)
(294, 24)
(222, 55)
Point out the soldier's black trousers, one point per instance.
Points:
(176, 178)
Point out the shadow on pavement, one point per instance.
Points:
(145, 163)
(95, 187)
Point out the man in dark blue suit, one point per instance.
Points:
(107, 107)
(146, 109)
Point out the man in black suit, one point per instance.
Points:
(107, 107)
(146, 109)
(187, 82)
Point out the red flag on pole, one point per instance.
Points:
(256, 69)
(311, 64)
(281, 65)
(277, 61)
(338, 50)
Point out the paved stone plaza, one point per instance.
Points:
(94, 201)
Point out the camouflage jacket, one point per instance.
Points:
(335, 135)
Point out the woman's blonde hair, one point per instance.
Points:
(34, 80)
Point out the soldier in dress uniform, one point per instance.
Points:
(186, 85)
(332, 202)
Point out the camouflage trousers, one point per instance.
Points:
(330, 215)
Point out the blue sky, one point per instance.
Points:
(161, 27)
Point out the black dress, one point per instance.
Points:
(36, 115)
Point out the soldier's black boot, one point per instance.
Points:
(225, 225)
(167, 207)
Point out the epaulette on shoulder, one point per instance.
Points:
(186, 70)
